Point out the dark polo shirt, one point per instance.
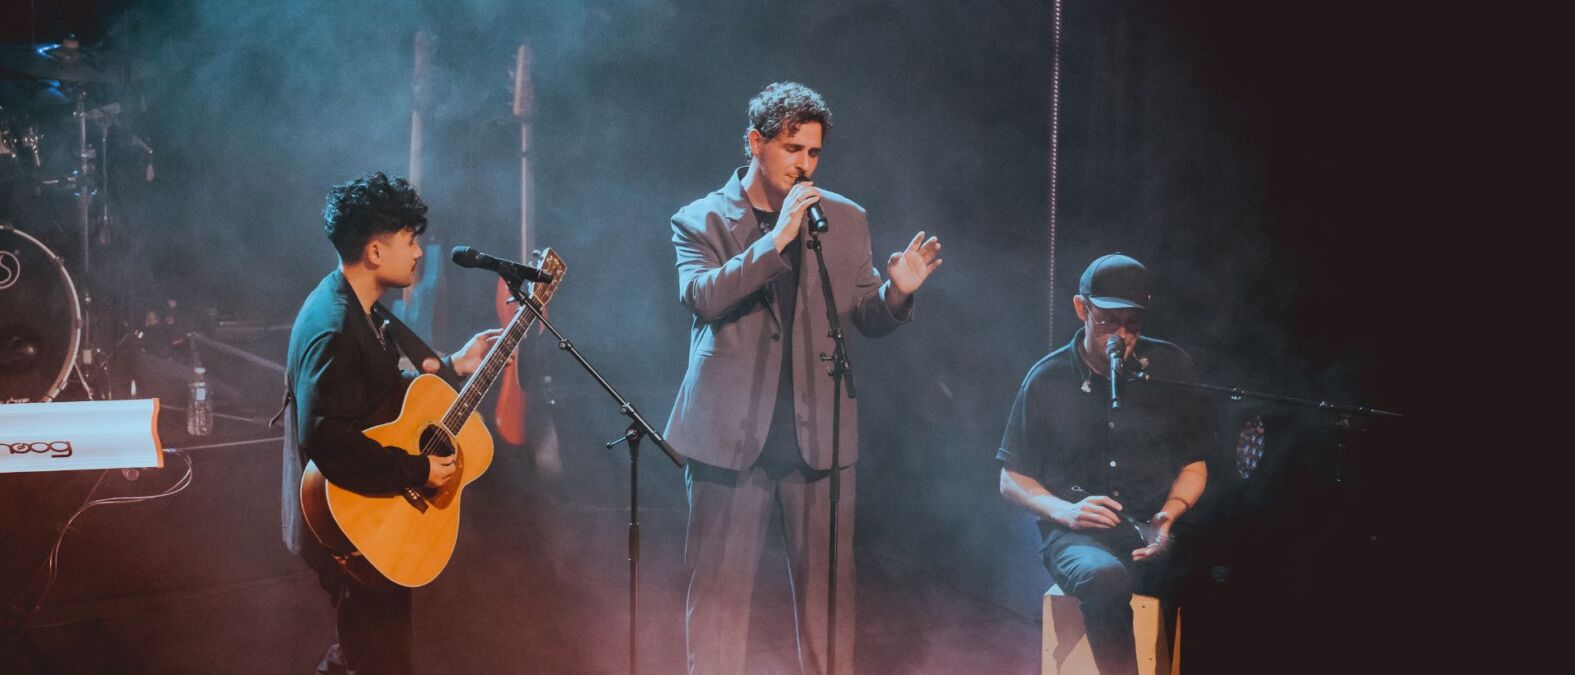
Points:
(1060, 430)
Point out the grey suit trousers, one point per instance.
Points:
(728, 513)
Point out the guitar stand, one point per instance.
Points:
(638, 430)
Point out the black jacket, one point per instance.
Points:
(341, 379)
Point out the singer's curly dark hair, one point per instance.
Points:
(371, 206)
(785, 106)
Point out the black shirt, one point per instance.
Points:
(781, 448)
(1060, 430)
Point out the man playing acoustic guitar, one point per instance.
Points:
(343, 376)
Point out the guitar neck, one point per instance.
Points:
(481, 381)
(539, 294)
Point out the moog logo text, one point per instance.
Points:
(52, 448)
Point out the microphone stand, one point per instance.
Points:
(1237, 393)
(840, 368)
(638, 430)
(1344, 411)
(1338, 516)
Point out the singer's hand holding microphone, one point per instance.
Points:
(801, 199)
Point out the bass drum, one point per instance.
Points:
(40, 320)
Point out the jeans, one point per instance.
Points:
(1096, 567)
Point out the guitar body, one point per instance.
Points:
(407, 536)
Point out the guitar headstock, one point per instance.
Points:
(547, 260)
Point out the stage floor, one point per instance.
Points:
(201, 583)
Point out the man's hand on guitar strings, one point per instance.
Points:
(440, 470)
(468, 358)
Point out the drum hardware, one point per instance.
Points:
(90, 189)
(35, 161)
(85, 191)
(19, 140)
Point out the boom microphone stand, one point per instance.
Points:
(638, 429)
(1344, 413)
(1237, 393)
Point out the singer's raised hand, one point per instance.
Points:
(909, 267)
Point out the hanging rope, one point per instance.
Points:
(1055, 133)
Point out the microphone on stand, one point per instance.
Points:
(1115, 348)
(465, 256)
(816, 215)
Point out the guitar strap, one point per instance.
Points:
(411, 344)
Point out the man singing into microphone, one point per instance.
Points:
(754, 412)
(343, 376)
(1107, 485)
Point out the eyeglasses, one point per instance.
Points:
(1108, 322)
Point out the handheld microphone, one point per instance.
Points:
(817, 216)
(465, 256)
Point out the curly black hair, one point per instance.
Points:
(371, 206)
(784, 106)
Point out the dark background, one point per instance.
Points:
(1250, 153)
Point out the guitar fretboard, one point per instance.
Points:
(481, 381)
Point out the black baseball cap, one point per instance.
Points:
(1115, 281)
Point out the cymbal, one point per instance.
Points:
(67, 61)
(31, 94)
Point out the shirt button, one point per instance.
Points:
(1116, 493)
(1112, 464)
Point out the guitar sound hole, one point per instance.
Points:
(436, 442)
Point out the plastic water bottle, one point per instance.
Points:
(199, 409)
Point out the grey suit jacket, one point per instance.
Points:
(725, 264)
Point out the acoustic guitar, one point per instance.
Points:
(408, 536)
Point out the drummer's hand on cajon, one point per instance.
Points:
(439, 470)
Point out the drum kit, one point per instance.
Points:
(60, 129)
